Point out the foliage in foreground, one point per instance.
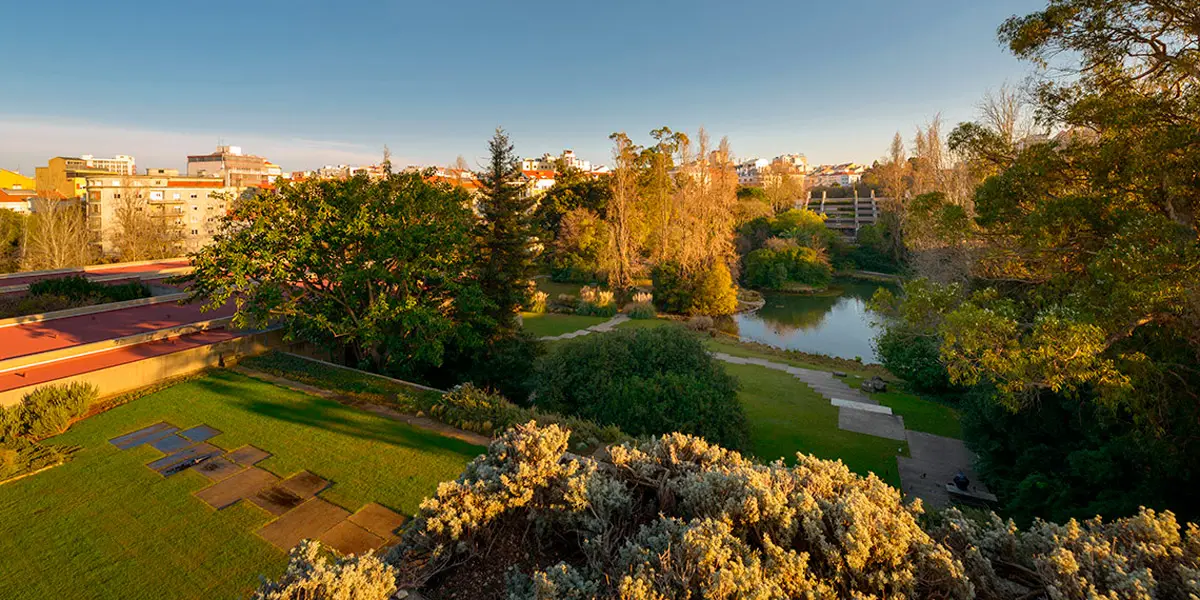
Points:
(312, 576)
(644, 381)
(676, 517)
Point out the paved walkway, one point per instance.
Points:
(598, 328)
(934, 460)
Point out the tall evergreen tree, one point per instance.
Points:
(506, 234)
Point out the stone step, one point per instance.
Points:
(875, 408)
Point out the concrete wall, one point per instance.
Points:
(124, 378)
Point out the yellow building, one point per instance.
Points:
(64, 178)
(11, 180)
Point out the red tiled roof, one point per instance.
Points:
(192, 183)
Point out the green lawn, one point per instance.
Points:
(544, 324)
(920, 414)
(648, 323)
(787, 417)
(105, 526)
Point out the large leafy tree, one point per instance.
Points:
(380, 268)
(506, 235)
(1087, 281)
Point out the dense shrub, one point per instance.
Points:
(77, 288)
(676, 517)
(640, 310)
(773, 269)
(709, 292)
(474, 409)
(537, 302)
(313, 576)
(872, 251)
(915, 358)
(645, 381)
(505, 364)
(48, 410)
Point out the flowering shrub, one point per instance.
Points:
(643, 298)
(311, 576)
(595, 302)
(677, 517)
(537, 302)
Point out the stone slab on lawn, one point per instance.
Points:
(307, 521)
(247, 455)
(378, 519)
(871, 423)
(934, 463)
(218, 468)
(170, 444)
(304, 484)
(143, 435)
(236, 487)
(276, 500)
(166, 464)
(200, 433)
(348, 538)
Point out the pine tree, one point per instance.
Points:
(506, 234)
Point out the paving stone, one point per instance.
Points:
(934, 463)
(236, 487)
(218, 468)
(304, 484)
(307, 521)
(191, 455)
(875, 408)
(200, 433)
(144, 435)
(869, 423)
(170, 444)
(247, 455)
(378, 519)
(276, 500)
(348, 538)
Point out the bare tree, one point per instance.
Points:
(144, 230)
(783, 184)
(1006, 111)
(625, 221)
(56, 236)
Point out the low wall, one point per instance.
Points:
(175, 296)
(69, 352)
(128, 377)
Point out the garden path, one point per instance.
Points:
(600, 328)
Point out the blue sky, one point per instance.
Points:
(310, 83)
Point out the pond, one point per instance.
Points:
(835, 322)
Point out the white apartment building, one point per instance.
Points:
(548, 161)
(843, 175)
(194, 205)
(756, 171)
(750, 172)
(120, 164)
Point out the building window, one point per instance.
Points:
(195, 232)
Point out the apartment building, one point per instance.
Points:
(17, 200)
(549, 162)
(843, 175)
(12, 180)
(234, 168)
(65, 177)
(192, 205)
(759, 172)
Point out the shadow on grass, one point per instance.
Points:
(329, 415)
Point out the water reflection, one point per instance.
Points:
(836, 322)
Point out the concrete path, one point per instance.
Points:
(598, 328)
(934, 462)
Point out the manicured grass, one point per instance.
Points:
(648, 323)
(544, 324)
(105, 526)
(350, 381)
(787, 417)
(920, 414)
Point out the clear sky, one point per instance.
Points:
(309, 83)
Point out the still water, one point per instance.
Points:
(835, 322)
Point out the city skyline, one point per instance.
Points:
(775, 79)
